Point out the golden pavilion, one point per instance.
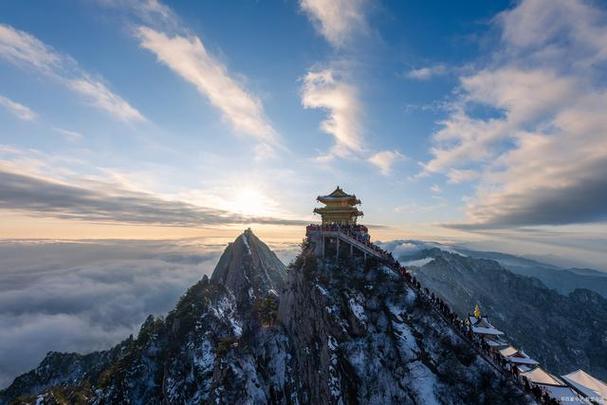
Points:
(340, 208)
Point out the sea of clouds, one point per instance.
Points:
(81, 296)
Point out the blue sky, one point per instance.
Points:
(480, 121)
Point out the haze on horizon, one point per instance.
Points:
(474, 123)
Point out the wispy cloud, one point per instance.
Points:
(457, 176)
(188, 57)
(69, 135)
(25, 50)
(324, 89)
(336, 20)
(384, 160)
(331, 90)
(17, 109)
(149, 11)
(541, 153)
(427, 72)
(162, 32)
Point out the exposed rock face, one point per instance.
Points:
(249, 266)
(255, 334)
(563, 332)
(360, 335)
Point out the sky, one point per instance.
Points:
(477, 121)
(138, 137)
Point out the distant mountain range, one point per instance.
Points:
(557, 316)
(564, 280)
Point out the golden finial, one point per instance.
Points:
(477, 312)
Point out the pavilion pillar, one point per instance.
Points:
(351, 250)
(323, 244)
(337, 250)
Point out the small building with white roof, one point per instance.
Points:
(590, 387)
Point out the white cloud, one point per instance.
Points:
(25, 50)
(188, 57)
(539, 151)
(435, 188)
(149, 11)
(336, 20)
(427, 72)
(101, 97)
(519, 96)
(457, 176)
(69, 135)
(384, 160)
(17, 109)
(323, 89)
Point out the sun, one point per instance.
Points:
(250, 201)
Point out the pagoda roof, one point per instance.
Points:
(563, 394)
(339, 195)
(482, 326)
(513, 355)
(587, 384)
(540, 376)
(336, 210)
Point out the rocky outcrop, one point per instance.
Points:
(249, 267)
(360, 335)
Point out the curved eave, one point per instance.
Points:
(345, 210)
(328, 199)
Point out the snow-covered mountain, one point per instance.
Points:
(564, 331)
(564, 280)
(256, 332)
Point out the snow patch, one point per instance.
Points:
(334, 383)
(423, 383)
(322, 290)
(245, 240)
(357, 310)
(419, 262)
(225, 310)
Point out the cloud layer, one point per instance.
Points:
(25, 50)
(538, 146)
(81, 297)
(95, 201)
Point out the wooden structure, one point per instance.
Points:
(340, 208)
(339, 235)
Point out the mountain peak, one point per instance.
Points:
(248, 267)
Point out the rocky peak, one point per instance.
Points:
(249, 269)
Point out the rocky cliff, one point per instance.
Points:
(256, 333)
(565, 332)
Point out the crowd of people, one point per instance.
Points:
(360, 233)
(463, 328)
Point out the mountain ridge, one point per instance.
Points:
(321, 332)
(561, 279)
